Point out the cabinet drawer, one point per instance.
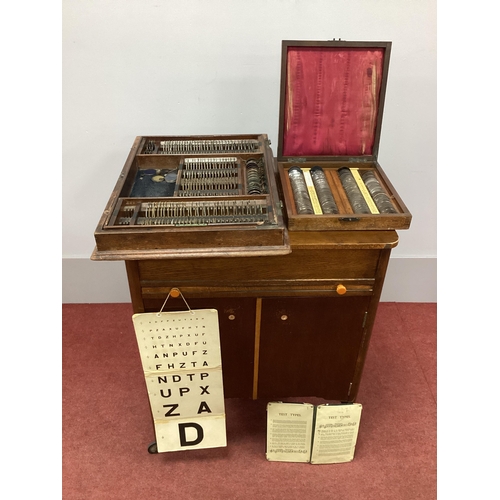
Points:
(301, 264)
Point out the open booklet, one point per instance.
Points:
(302, 432)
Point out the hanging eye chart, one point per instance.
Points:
(181, 360)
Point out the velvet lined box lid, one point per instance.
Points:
(332, 98)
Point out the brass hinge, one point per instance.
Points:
(349, 391)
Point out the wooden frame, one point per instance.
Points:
(119, 235)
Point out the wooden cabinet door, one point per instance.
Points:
(309, 346)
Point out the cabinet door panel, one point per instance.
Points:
(237, 338)
(309, 346)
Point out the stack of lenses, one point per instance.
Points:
(352, 191)
(150, 148)
(378, 194)
(300, 193)
(325, 197)
(208, 146)
(254, 177)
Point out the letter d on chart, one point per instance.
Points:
(182, 434)
(203, 431)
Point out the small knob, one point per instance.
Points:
(175, 293)
(341, 289)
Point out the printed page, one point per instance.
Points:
(289, 432)
(335, 434)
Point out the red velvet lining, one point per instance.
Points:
(331, 100)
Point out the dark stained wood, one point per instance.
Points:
(153, 239)
(344, 240)
(263, 355)
(309, 346)
(370, 319)
(336, 187)
(301, 264)
(291, 289)
(134, 284)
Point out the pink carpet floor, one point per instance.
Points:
(107, 423)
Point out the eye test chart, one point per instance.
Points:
(181, 360)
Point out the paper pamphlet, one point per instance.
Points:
(301, 432)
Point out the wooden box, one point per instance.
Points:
(331, 106)
(194, 196)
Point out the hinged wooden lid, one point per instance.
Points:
(332, 99)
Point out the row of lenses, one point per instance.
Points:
(325, 196)
(352, 191)
(300, 192)
(302, 199)
(378, 194)
(256, 179)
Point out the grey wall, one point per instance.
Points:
(140, 67)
